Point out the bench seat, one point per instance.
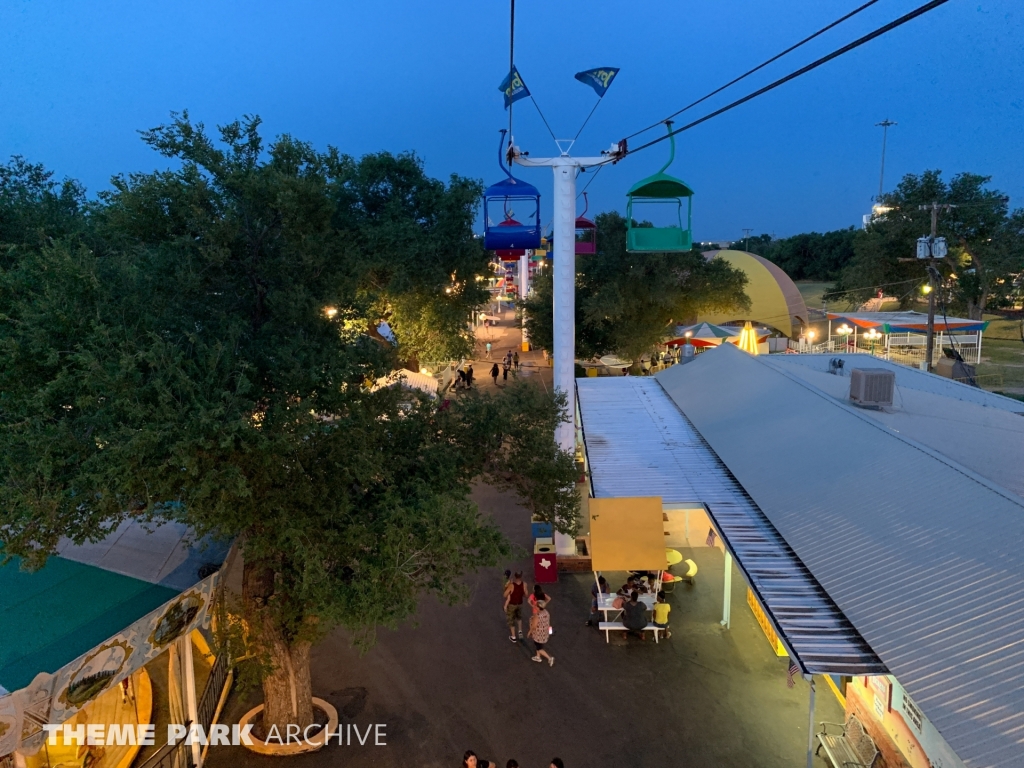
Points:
(618, 626)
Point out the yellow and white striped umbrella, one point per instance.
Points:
(748, 339)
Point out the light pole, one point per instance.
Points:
(844, 331)
(884, 125)
(872, 336)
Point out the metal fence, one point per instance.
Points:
(171, 756)
(207, 704)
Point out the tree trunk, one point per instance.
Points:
(288, 691)
(287, 686)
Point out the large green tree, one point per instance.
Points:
(206, 355)
(818, 256)
(985, 241)
(626, 302)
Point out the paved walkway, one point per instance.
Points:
(503, 337)
(453, 681)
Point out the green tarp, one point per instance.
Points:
(52, 616)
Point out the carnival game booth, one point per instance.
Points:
(102, 637)
(904, 332)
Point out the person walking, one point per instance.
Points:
(494, 373)
(537, 596)
(504, 372)
(469, 376)
(515, 361)
(515, 591)
(470, 760)
(488, 347)
(540, 625)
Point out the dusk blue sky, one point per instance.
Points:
(79, 79)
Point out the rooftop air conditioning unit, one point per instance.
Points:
(872, 387)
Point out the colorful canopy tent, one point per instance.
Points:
(709, 335)
(907, 322)
(627, 534)
(774, 298)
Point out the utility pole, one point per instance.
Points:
(884, 125)
(746, 237)
(930, 248)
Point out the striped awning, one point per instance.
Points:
(907, 322)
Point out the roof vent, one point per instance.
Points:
(872, 387)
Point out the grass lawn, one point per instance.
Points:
(1002, 365)
(812, 292)
(1001, 328)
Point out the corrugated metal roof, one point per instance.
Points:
(908, 378)
(985, 440)
(639, 444)
(922, 555)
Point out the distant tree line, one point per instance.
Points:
(818, 256)
(983, 270)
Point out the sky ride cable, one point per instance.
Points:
(749, 72)
(920, 11)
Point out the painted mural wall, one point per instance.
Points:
(886, 711)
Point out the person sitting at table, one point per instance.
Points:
(634, 615)
(661, 611)
(628, 587)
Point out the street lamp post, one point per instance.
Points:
(872, 336)
(843, 332)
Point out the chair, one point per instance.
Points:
(691, 571)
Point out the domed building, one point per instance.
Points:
(774, 298)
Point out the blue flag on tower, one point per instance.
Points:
(513, 87)
(599, 79)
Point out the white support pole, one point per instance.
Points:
(524, 288)
(810, 728)
(727, 596)
(189, 674)
(564, 252)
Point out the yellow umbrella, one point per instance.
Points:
(748, 339)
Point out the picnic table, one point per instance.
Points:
(606, 604)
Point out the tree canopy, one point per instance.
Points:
(818, 256)
(204, 351)
(626, 302)
(985, 242)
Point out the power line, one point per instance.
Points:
(761, 66)
(793, 75)
(589, 181)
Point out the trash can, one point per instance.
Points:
(545, 563)
(540, 530)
